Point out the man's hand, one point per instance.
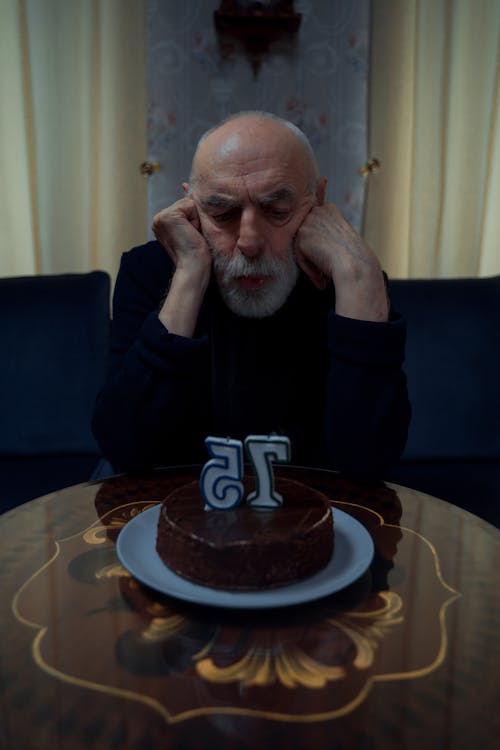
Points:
(327, 247)
(178, 229)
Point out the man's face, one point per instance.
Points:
(253, 187)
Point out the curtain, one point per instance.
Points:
(433, 208)
(72, 134)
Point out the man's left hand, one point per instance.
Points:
(327, 248)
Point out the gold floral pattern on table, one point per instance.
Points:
(298, 664)
(292, 667)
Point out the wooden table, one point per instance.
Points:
(405, 657)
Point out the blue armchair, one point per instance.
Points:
(54, 343)
(453, 369)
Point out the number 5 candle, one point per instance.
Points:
(220, 480)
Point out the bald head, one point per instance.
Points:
(247, 137)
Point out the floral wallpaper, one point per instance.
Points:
(319, 83)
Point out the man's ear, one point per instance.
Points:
(185, 188)
(321, 190)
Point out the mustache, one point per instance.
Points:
(239, 265)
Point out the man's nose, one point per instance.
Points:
(251, 238)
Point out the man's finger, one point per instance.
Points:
(317, 277)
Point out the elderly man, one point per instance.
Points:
(259, 310)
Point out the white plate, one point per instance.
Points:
(353, 553)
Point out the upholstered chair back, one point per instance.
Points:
(54, 344)
(453, 370)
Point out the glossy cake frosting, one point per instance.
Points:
(245, 548)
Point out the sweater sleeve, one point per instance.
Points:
(367, 409)
(155, 402)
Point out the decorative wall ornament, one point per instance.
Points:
(253, 25)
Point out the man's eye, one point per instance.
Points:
(276, 213)
(224, 217)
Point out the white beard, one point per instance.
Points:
(255, 303)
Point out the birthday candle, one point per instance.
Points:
(220, 479)
(262, 451)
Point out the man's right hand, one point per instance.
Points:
(178, 229)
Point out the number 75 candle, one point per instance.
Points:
(221, 477)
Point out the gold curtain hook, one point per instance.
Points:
(370, 167)
(148, 168)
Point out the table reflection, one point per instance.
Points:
(143, 667)
(298, 663)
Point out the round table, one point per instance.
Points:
(406, 656)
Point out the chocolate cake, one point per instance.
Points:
(245, 548)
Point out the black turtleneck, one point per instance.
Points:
(333, 385)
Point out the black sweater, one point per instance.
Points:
(333, 385)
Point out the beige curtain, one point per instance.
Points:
(433, 208)
(72, 134)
